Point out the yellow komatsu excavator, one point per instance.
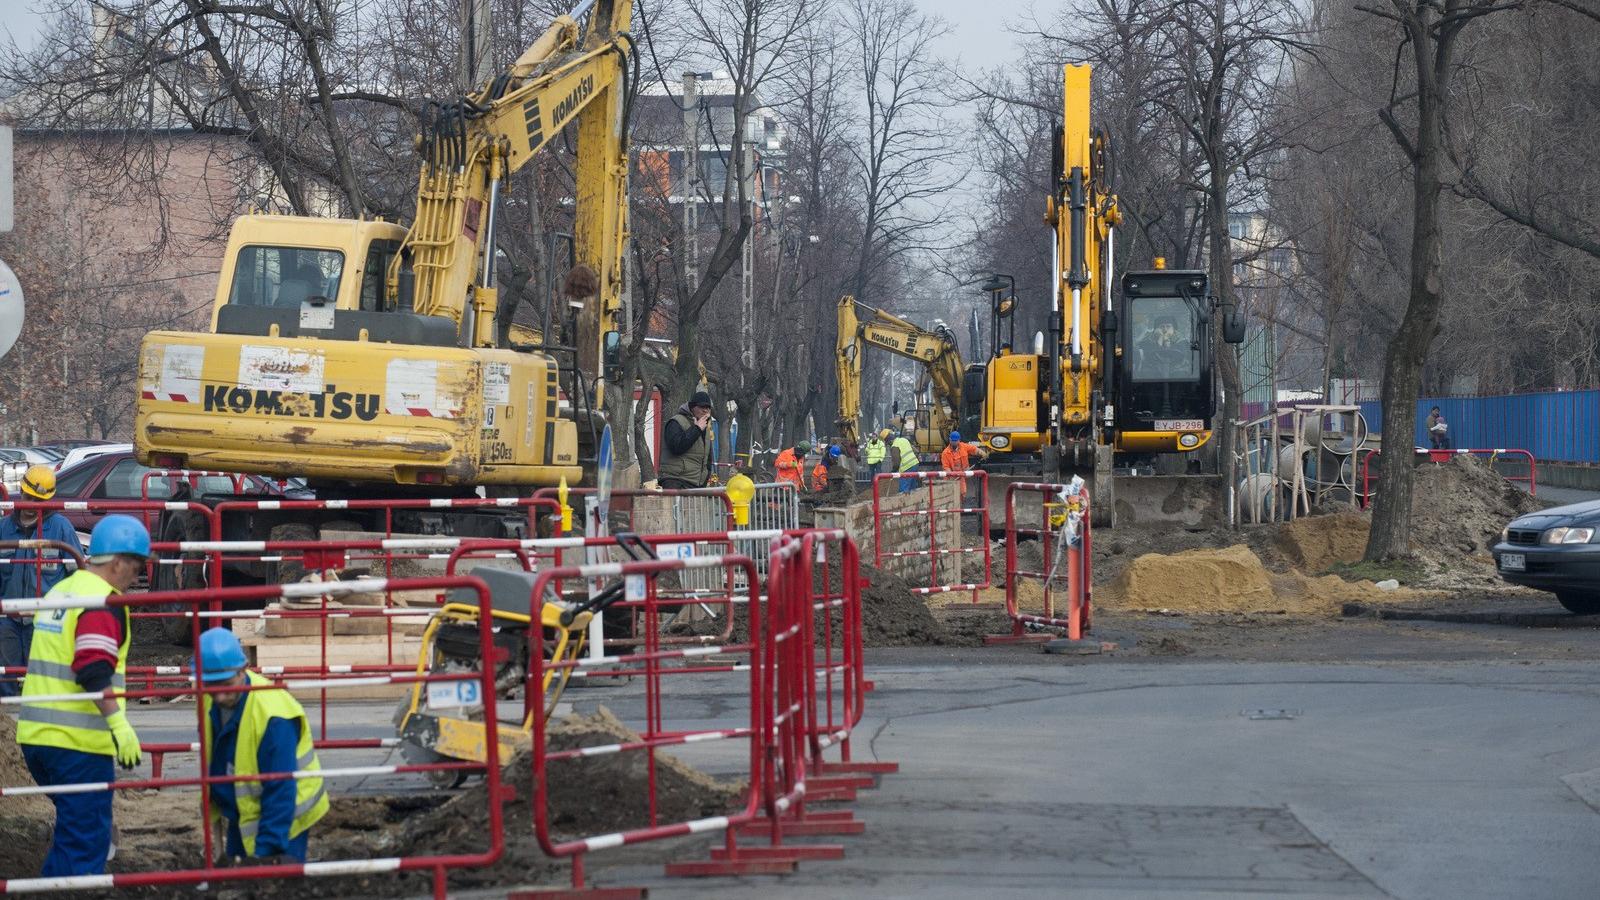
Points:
(364, 356)
(860, 327)
(1121, 379)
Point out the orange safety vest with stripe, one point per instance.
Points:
(958, 458)
(788, 467)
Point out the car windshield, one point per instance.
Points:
(128, 480)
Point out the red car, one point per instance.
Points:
(118, 476)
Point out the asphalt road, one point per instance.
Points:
(1024, 776)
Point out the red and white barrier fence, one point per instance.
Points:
(203, 780)
(1060, 525)
(1439, 456)
(949, 518)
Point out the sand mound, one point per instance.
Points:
(1228, 581)
(1317, 543)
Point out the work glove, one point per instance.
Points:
(126, 738)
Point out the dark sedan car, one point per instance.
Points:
(1556, 550)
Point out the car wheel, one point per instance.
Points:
(1580, 603)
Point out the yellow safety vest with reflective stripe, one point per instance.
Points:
(310, 799)
(908, 454)
(876, 451)
(68, 724)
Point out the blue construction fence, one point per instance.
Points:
(1555, 426)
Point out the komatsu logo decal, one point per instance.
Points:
(331, 403)
(569, 104)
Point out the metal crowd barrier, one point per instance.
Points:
(1062, 529)
(202, 604)
(936, 517)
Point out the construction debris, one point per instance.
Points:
(1230, 580)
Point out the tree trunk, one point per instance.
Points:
(1390, 536)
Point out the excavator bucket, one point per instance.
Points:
(1191, 502)
(1181, 501)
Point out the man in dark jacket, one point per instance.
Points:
(686, 458)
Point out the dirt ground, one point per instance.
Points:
(587, 795)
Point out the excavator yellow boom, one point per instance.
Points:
(367, 354)
(861, 326)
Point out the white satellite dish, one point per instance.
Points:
(10, 308)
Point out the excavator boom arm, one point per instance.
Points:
(861, 326)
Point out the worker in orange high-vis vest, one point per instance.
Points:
(819, 475)
(790, 462)
(957, 457)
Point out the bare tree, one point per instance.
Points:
(1430, 35)
(902, 154)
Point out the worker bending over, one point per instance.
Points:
(789, 462)
(903, 458)
(79, 651)
(957, 457)
(819, 474)
(253, 733)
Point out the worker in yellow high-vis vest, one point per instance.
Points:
(256, 732)
(83, 650)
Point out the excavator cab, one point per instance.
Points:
(1165, 402)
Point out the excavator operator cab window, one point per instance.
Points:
(374, 274)
(285, 277)
(1164, 340)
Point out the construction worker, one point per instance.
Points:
(903, 458)
(819, 474)
(876, 450)
(789, 463)
(957, 457)
(254, 733)
(22, 578)
(686, 462)
(83, 650)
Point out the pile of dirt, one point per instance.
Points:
(25, 821)
(893, 616)
(1231, 580)
(1458, 508)
(587, 796)
(1317, 543)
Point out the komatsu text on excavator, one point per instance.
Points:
(860, 327)
(365, 356)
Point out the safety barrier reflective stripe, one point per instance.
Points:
(937, 516)
(437, 865)
(1531, 479)
(1067, 553)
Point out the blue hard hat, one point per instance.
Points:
(118, 535)
(221, 655)
(833, 450)
(955, 437)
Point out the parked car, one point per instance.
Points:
(1556, 550)
(35, 455)
(77, 455)
(118, 476)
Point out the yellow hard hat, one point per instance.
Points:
(39, 482)
(884, 434)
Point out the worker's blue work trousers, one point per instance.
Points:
(907, 485)
(82, 838)
(16, 636)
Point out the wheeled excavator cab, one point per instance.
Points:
(1162, 367)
